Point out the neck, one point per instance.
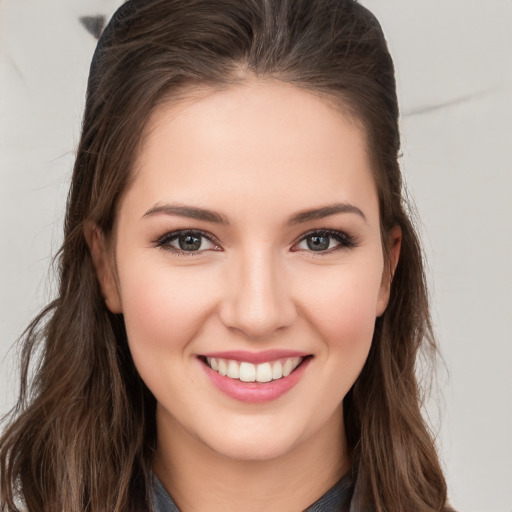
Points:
(199, 478)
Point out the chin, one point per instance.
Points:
(251, 446)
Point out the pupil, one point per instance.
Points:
(318, 243)
(189, 242)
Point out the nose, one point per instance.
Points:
(257, 300)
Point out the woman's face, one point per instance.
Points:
(249, 267)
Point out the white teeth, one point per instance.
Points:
(248, 372)
(287, 368)
(233, 370)
(277, 370)
(223, 367)
(264, 372)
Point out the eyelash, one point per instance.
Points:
(165, 241)
(345, 241)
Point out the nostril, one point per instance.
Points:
(256, 321)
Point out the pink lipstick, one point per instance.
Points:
(255, 377)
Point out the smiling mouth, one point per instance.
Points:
(248, 372)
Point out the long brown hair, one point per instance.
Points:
(82, 435)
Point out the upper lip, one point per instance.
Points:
(256, 357)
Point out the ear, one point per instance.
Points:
(395, 242)
(103, 264)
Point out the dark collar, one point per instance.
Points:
(331, 501)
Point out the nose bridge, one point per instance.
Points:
(258, 301)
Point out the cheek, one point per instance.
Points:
(340, 308)
(163, 307)
(343, 308)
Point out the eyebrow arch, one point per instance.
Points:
(191, 212)
(325, 211)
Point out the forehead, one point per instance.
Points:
(259, 137)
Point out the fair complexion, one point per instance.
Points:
(251, 226)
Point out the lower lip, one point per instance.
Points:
(255, 392)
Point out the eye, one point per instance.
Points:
(324, 241)
(189, 241)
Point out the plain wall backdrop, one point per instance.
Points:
(454, 73)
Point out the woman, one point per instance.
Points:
(241, 297)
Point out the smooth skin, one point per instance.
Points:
(256, 155)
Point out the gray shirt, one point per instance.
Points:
(331, 501)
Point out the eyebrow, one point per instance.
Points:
(195, 212)
(191, 212)
(325, 211)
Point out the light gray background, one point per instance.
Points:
(453, 60)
